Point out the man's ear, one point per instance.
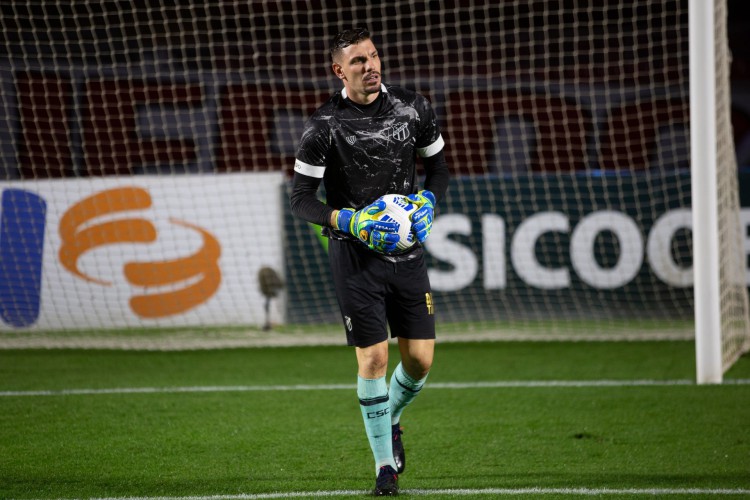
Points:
(338, 71)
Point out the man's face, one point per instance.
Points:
(358, 66)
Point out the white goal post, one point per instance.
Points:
(721, 308)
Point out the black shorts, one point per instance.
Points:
(374, 294)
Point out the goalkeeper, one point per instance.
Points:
(363, 143)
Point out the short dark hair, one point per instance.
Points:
(348, 37)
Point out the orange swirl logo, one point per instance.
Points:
(80, 234)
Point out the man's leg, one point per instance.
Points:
(406, 382)
(410, 374)
(360, 290)
(372, 390)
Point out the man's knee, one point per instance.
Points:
(373, 360)
(417, 356)
(418, 368)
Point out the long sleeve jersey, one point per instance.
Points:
(361, 152)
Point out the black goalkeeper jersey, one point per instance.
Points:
(362, 152)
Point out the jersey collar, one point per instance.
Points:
(382, 89)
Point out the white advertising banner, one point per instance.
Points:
(153, 251)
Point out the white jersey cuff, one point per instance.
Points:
(303, 168)
(432, 149)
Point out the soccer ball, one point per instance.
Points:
(398, 209)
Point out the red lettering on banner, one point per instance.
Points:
(259, 126)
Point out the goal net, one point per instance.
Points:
(147, 149)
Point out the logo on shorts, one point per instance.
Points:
(348, 322)
(428, 301)
(351, 139)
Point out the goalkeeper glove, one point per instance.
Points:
(421, 220)
(378, 235)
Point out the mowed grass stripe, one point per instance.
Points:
(499, 384)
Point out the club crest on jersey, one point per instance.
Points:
(351, 139)
(401, 132)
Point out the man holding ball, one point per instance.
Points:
(362, 144)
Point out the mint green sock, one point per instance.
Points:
(403, 390)
(373, 401)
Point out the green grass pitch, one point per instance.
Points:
(503, 418)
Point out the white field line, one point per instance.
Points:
(655, 492)
(499, 384)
